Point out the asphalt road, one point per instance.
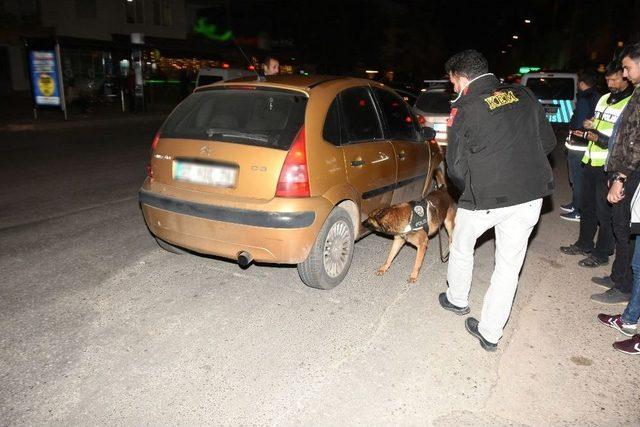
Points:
(100, 326)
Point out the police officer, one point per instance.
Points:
(595, 210)
(499, 139)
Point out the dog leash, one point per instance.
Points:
(429, 178)
(443, 258)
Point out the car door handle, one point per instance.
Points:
(402, 155)
(357, 162)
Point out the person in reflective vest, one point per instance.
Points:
(595, 210)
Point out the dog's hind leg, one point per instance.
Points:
(421, 241)
(398, 241)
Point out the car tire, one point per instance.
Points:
(322, 270)
(170, 248)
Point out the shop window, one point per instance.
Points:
(86, 9)
(162, 12)
(135, 11)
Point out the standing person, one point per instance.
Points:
(585, 106)
(624, 163)
(499, 139)
(271, 66)
(595, 209)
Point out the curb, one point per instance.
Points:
(25, 127)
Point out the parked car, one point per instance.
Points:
(556, 91)
(434, 104)
(283, 170)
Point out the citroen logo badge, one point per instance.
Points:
(205, 150)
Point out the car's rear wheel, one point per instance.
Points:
(170, 248)
(331, 254)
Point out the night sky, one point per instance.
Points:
(414, 38)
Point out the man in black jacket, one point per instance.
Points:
(499, 139)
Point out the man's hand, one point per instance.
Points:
(616, 192)
(592, 136)
(588, 124)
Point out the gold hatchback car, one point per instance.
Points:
(282, 170)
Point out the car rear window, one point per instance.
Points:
(252, 116)
(435, 102)
(552, 87)
(207, 80)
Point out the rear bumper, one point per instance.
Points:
(276, 236)
(233, 215)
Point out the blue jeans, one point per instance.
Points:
(574, 161)
(632, 312)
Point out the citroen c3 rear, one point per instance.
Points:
(240, 170)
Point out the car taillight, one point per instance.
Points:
(421, 120)
(156, 138)
(294, 177)
(154, 144)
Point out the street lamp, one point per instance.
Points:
(527, 21)
(515, 37)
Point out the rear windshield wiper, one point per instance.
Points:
(225, 133)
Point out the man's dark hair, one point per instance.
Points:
(613, 67)
(588, 77)
(632, 51)
(468, 63)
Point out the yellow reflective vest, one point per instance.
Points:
(605, 118)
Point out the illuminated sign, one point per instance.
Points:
(209, 31)
(525, 70)
(44, 77)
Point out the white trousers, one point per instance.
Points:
(513, 226)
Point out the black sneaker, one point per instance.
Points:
(605, 281)
(472, 326)
(612, 296)
(573, 250)
(444, 302)
(568, 207)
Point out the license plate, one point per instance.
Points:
(216, 175)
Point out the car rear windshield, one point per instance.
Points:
(552, 87)
(435, 102)
(207, 80)
(252, 116)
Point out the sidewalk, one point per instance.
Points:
(17, 116)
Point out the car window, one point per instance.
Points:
(360, 116)
(331, 129)
(435, 102)
(397, 116)
(252, 116)
(552, 87)
(207, 80)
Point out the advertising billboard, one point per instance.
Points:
(45, 78)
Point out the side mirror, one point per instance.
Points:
(427, 133)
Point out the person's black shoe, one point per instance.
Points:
(592, 262)
(605, 281)
(472, 327)
(573, 250)
(444, 302)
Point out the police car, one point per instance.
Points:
(556, 91)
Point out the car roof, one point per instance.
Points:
(550, 74)
(292, 81)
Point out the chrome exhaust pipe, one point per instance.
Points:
(244, 259)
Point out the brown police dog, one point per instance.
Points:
(396, 221)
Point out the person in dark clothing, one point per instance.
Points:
(595, 210)
(587, 99)
(623, 165)
(499, 139)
